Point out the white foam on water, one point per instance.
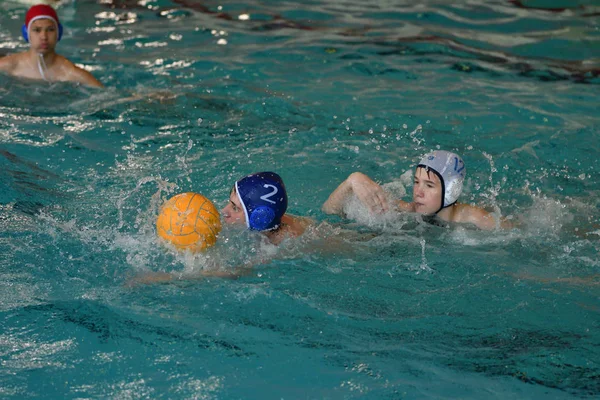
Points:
(546, 216)
(31, 354)
(18, 290)
(423, 267)
(206, 389)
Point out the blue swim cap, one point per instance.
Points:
(264, 200)
(451, 171)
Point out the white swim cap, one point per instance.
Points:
(451, 171)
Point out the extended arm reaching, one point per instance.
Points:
(366, 190)
(150, 278)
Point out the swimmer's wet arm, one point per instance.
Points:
(87, 79)
(368, 192)
(93, 82)
(8, 64)
(80, 75)
(485, 220)
(150, 278)
(336, 200)
(506, 223)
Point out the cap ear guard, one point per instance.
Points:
(452, 191)
(261, 218)
(26, 34)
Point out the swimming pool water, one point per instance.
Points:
(200, 94)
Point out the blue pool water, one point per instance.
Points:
(200, 94)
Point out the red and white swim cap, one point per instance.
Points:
(40, 11)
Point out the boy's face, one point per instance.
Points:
(427, 192)
(233, 213)
(43, 35)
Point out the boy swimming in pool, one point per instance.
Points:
(258, 202)
(42, 30)
(438, 183)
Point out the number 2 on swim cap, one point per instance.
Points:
(266, 197)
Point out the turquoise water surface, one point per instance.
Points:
(199, 94)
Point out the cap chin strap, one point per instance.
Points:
(443, 191)
(237, 191)
(43, 69)
(428, 168)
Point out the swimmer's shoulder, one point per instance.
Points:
(467, 213)
(77, 74)
(10, 63)
(295, 225)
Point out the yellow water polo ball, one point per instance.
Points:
(189, 221)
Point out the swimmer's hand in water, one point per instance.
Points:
(368, 192)
(151, 278)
